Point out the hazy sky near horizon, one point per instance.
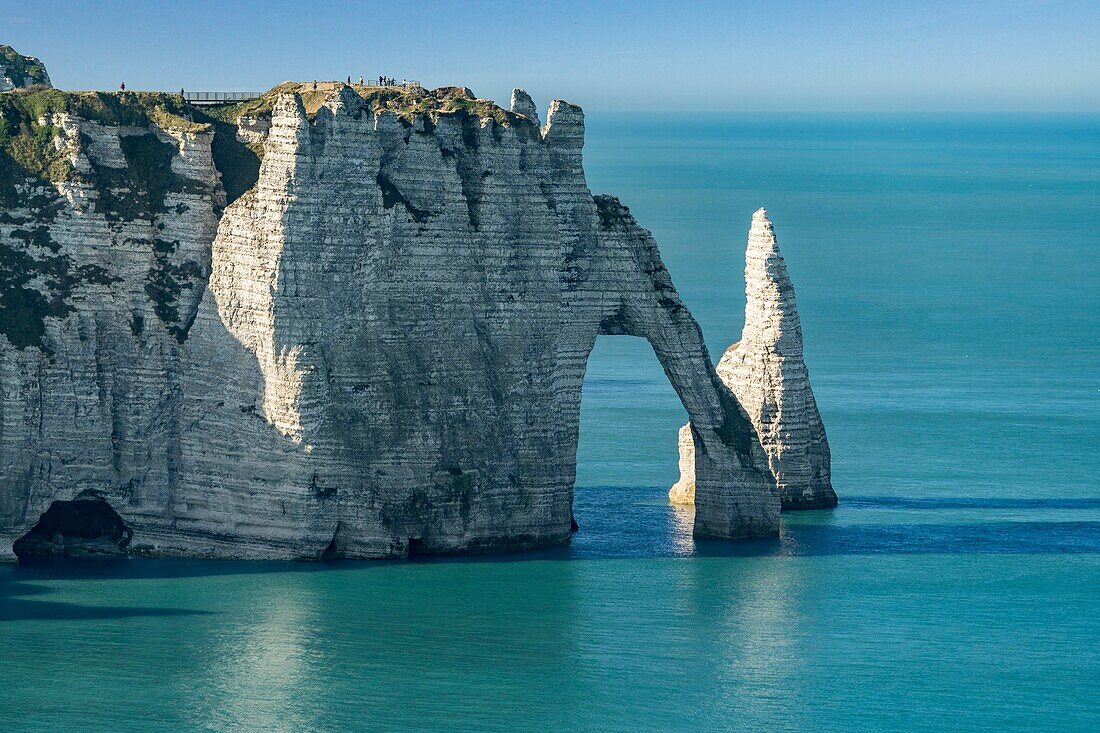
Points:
(776, 55)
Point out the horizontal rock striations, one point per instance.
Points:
(104, 253)
(766, 371)
(372, 345)
(19, 72)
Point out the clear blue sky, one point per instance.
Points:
(965, 55)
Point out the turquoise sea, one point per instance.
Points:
(948, 276)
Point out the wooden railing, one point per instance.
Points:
(201, 98)
(405, 83)
(209, 98)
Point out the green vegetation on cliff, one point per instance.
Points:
(24, 307)
(29, 145)
(405, 103)
(36, 277)
(23, 70)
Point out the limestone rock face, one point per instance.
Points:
(101, 274)
(18, 71)
(766, 371)
(380, 353)
(522, 104)
(87, 526)
(683, 491)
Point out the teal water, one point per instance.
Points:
(948, 278)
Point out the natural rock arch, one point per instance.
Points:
(390, 351)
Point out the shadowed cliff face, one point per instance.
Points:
(388, 355)
(106, 220)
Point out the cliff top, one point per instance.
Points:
(27, 134)
(17, 70)
(405, 102)
(108, 108)
(27, 148)
(172, 112)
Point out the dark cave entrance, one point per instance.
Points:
(85, 527)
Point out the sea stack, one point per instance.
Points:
(766, 371)
(18, 71)
(522, 104)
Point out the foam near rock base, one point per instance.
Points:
(767, 372)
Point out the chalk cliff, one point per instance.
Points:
(18, 71)
(766, 371)
(332, 322)
(522, 104)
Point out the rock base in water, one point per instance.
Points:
(766, 371)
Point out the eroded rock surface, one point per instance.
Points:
(87, 526)
(380, 352)
(767, 372)
(522, 104)
(18, 71)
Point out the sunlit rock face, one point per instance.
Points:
(522, 104)
(18, 71)
(767, 372)
(386, 358)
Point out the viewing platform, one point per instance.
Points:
(201, 99)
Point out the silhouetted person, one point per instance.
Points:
(122, 87)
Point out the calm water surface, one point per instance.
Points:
(948, 275)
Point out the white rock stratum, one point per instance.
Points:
(766, 371)
(376, 350)
(522, 104)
